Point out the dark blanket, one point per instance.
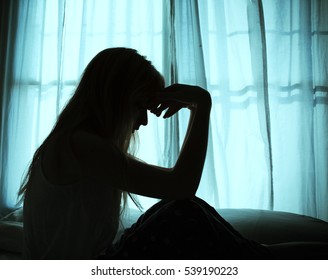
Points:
(184, 229)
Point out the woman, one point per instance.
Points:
(72, 192)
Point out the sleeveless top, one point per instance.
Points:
(74, 221)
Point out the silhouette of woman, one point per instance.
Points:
(83, 170)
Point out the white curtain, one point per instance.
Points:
(55, 41)
(264, 63)
(266, 68)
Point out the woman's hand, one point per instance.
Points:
(190, 162)
(176, 97)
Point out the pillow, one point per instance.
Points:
(272, 227)
(11, 237)
(264, 226)
(11, 231)
(16, 216)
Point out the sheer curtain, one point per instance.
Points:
(8, 25)
(54, 42)
(266, 68)
(264, 63)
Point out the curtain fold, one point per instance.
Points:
(319, 32)
(191, 70)
(240, 150)
(291, 27)
(171, 127)
(257, 42)
(8, 28)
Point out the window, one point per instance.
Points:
(264, 63)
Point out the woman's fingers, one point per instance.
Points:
(160, 108)
(175, 97)
(185, 94)
(171, 111)
(170, 107)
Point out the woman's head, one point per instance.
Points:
(115, 88)
(111, 97)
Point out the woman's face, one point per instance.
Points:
(140, 103)
(139, 108)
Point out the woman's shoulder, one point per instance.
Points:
(86, 143)
(97, 156)
(58, 162)
(67, 157)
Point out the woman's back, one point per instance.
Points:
(66, 215)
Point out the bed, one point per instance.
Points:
(267, 227)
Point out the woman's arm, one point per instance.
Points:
(183, 179)
(101, 162)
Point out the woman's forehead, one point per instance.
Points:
(146, 92)
(143, 97)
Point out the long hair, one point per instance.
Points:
(101, 97)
